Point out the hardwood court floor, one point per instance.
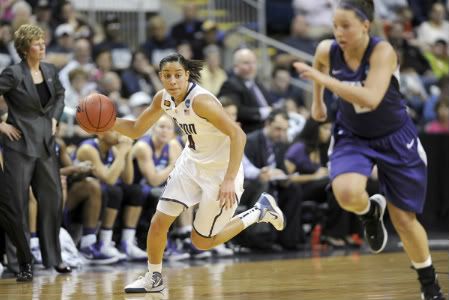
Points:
(371, 277)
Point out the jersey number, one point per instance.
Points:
(191, 142)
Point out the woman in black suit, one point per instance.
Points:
(35, 100)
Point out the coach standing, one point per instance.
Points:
(35, 99)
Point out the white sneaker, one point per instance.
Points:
(222, 251)
(270, 211)
(37, 256)
(132, 252)
(110, 250)
(150, 283)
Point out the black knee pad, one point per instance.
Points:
(133, 195)
(113, 196)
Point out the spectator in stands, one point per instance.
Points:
(212, 75)
(121, 53)
(68, 14)
(111, 157)
(82, 58)
(436, 28)
(438, 58)
(409, 55)
(138, 102)
(103, 64)
(251, 97)
(8, 54)
(386, 9)
(111, 85)
(209, 35)
(440, 91)
(22, 14)
(62, 52)
(441, 124)
(282, 89)
(189, 28)
(158, 43)
(43, 13)
(185, 49)
(318, 15)
(421, 10)
(140, 77)
(300, 36)
(265, 172)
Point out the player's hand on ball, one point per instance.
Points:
(227, 193)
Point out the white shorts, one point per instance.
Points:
(189, 185)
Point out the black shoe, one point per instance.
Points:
(25, 273)
(375, 233)
(432, 292)
(63, 268)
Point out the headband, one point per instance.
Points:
(355, 9)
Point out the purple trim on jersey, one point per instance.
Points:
(402, 171)
(298, 155)
(391, 113)
(160, 161)
(107, 161)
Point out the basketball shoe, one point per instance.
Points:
(149, 283)
(375, 233)
(109, 249)
(432, 292)
(93, 256)
(133, 253)
(270, 211)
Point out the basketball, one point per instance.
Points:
(96, 113)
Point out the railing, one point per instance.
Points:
(131, 14)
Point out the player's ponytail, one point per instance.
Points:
(364, 9)
(193, 66)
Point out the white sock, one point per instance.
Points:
(87, 240)
(366, 210)
(424, 264)
(34, 242)
(184, 229)
(154, 268)
(106, 236)
(249, 217)
(128, 234)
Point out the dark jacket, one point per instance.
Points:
(256, 150)
(248, 108)
(25, 111)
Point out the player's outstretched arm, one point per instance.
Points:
(383, 63)
(137, 128)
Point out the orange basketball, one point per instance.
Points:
(96, 113)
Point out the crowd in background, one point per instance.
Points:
(113, 185)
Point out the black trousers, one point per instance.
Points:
(42, 174)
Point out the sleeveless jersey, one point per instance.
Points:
(108, 160)
(391, 113)
(206, 146)
(160, 162)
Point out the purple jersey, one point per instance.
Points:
(391, 113)
(160, 162)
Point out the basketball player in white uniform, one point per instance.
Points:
(208, 172)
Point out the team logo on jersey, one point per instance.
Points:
(167, 103)
(187, 103)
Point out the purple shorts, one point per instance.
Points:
(400, 159)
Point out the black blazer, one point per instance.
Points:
(25, 110)
(257, 153)
(248, 108)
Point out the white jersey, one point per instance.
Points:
(207, 146)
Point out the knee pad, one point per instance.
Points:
(133, 195)
(113, 196)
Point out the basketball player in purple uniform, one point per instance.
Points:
(372, 128)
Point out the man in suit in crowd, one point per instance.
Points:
(252, 99)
